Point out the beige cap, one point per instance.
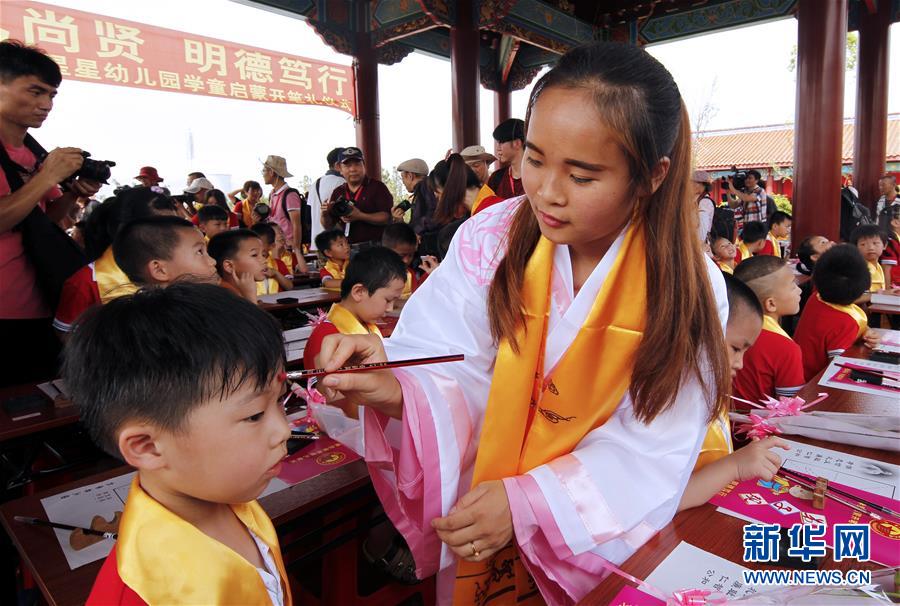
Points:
(477, 152)
(278, 166)
(198, 184)
(701, 176)
(415, 165)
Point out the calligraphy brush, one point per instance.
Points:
(320, 372)
(868, 371)
(852, 506)
(90, 531)
(868, 504)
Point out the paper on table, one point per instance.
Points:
(78, 507)
(839, 378)
(295, 342)
(689, 567)
(885, 299)
(889, 341)
(868, 431)
(863, 473)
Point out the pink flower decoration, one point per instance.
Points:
(696, 597)
(318, 318)
(757, 429)
(759, 426)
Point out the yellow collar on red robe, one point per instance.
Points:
(854, 311)
(347, 322)
(112, 282)
(167, 560)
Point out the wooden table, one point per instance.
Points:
(309, 279)
(722, 534)
(306, 298)
(61, 586)
(24, 424)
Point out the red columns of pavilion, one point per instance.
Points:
(365, 68)
(502, 109)
(870, 145)
(464, 47)
(821, 40)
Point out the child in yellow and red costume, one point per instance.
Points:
(197, 411)
(334, 248)
(373, 283)
(831, 322)
(718, 463)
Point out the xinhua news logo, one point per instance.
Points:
(762, 543)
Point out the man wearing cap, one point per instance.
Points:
(148, 177)
(705, 204)
(200, 188)
(285, 203)
(413, 173)
(371, 201)
(509, 146)
(320, 193)
(479, 160)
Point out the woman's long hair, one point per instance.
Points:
(640, 101)
(452, 203)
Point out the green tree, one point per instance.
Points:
(851, 53)
(391, 178)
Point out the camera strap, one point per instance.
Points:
(13, 170)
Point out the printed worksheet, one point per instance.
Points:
(98, 506)
(863, 473)
(838, 376)
(689, 567)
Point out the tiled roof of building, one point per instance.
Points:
(767, 146)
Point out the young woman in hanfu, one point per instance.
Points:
(592, 326)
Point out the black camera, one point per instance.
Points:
(405, 205)
(94, 170)
(342, 207)
(739, 178)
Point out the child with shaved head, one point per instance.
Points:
(773, 366)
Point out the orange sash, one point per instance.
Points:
(268, 286)
(578, 396)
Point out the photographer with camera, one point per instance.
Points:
(36, 257)
(422, 201)
(746, 197)
(363, 203)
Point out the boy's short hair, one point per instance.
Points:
(225, 245)
(755, 269)
(18, 60)
(755, 173)
(158, 354)
(741, 298)
(754, 231)
(264, 231)
(868, 231)
(374, 268)
(841, 275)
(143, 240)
(212, 212)
(778, 217)
(398, 233)
(326, 238)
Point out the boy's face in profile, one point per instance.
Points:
(723, 249)
(820, 244)
(339, 250)
(228, 451)
(249, 259)
(741, 332)
(372, 308)
(189, 259)
(406, 252)
(785, 292)
(782, 230)
(213, 227)
(871, 248)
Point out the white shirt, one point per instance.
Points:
(327, 184)
(269, 575)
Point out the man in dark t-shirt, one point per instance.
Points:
(371, 201)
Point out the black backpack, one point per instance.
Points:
(853, 214)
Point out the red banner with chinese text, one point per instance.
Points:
(96, 48)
